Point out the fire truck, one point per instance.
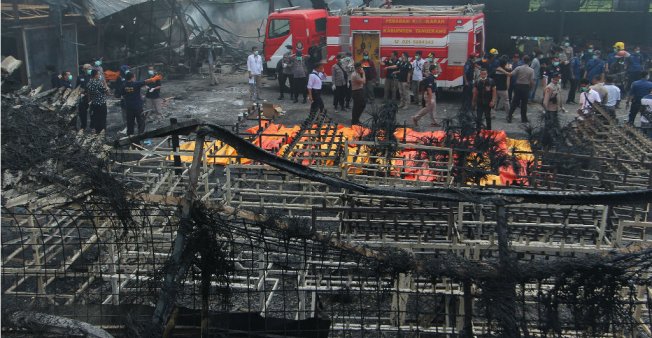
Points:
(450, 33)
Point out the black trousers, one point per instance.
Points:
(565, 75)
(521, 96)
(572, 90)
(282, 79)
(300, 84)
(339, 96)
(98, 117)
(359, 103)
(467, 97)
(317, 102)
(347, 98)
(83, 112)
(137, 116)
(510, 91)
(634, 109)
(480, 111)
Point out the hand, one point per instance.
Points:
(152, 90)
(564, 110)
(310, 99)
(491, 104)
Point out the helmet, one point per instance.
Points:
(619, 45)
(493, 51)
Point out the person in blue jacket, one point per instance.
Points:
(576, 76)
(133, 102)
(595, 66)
(635, 65)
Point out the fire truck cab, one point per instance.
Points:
(451, 34)
(299, 28)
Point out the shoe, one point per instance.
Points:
(415, 121)
(509, 119)
(435, 124)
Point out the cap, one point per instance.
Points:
(493, 51)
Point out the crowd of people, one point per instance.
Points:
(500, 82)
(96, 85)
(490, 82)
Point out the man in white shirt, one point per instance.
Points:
(314, 88)
(417, 76)
(255, 69)
(613, 96)
(588, 98)
(646, 114)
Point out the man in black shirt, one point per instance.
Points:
(153, 94)
(391, 80)
(404, 78)
(82, 82)
(484, 98)
(134, 102)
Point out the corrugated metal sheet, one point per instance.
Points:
(104, 8)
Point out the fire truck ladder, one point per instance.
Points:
(417, 11)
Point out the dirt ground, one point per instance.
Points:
(194, 97)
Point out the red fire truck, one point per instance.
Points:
(450, 33)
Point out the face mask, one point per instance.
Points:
(567, 44)
(89, 71)
(615, 50)
(590, 50)
(256, 53)
(483, 78)
(299, 58)
(366, 57)
(98, 63)
(417, 57)
(555, 63)
(595, 57)
(69, 77)
(637, 51)
(429, 59)
(584, 89)
(150, 72)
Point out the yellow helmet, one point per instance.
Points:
(619, 45)
(493, 51)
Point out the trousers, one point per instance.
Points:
(300, 84)
(404, 91)
(339, 96)
(83, 112)
(502, 97)
(429, 110)
(137, 116)
(359, 103)
(317, 103)
(521, 95)
(391, 86)
(482, 110)
(98, 117)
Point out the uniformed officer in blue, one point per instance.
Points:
(133, 101)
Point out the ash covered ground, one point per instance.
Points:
(194, 97)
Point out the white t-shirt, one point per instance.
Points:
(417, 69)
(592, 96)
(255, 64)
(315, 80)
(613, 95)
(646, 102)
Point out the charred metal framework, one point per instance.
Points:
(338, 247)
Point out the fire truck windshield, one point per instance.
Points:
(278, 28)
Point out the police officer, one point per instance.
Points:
(315, 80)
(284, 72)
